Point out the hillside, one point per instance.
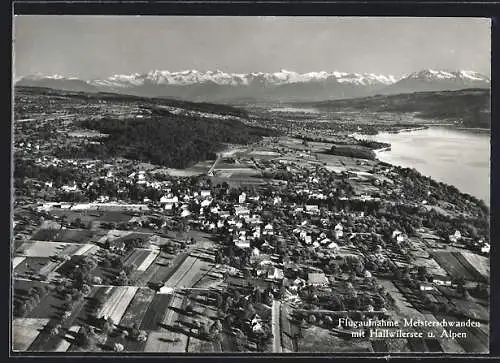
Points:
(170, 140)
(282, 86)
(161, 131)
(468, 107)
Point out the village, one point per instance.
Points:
(264, 249)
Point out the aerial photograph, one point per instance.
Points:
(220, 184)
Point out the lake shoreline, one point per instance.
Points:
(435, 152)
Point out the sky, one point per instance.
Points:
(91, 47)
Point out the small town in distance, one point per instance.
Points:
(154, 225)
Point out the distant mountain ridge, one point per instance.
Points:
(283, 86)
(467, 107)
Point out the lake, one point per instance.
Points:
(294, 109)
(457, 157)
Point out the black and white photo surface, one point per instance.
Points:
(250, 184)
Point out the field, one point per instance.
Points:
(28, 265)
(137, 308)
(49, 305)
(46, 249)
(452, 265)
(85, 249)
(168, 340)
(117, 303)
(136, 257)
(16, 261)
(404, 309)
(345, 162)
(68, 339)
(236, 180)
(472, 309)
(431, 265)
(316, 339)
(148, 261)
(475, 262)
(94, 216)
(25, 331)
(63, 235)
(113, 235)
(155, 312)
(160, 269)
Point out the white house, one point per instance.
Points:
(185, 213)
(312, 208)
(268, 229)
(275, 273)
(485, 248)
(242, 244)
(241, 211)
(242, 198)
(426, 287)
(333, 246)
(206, 202)
(224, 214)
(205, 193)
(396, 233)
(70, 188)
(441, 280)
(325, 241)
(455, 236)
(339, 230)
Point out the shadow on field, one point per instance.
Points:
(182, 330)
(189, 313)
(167, 340)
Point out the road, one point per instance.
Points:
(286, 330)
(185, 276)
(211, 170)
(276, 326)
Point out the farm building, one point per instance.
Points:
(426, 287)
(441, 280)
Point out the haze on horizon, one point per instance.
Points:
(91, 47)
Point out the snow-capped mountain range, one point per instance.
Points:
(191, 77)
(279, 86)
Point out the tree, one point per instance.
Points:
(128, 269)
(108, 326)
(422, 273)
(134, 331)
(77, 295)
(22, 310)
(86, 289)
